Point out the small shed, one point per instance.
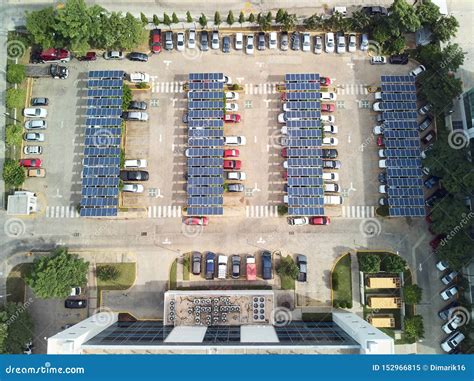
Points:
(383, 282)
(382, 302)
(22, 203)
(382, 321)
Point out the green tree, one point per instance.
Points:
(428, 13)
(287, 267)
(16, 328)
(189, 18)
(360, 21)
(394, 264)
(395, 45)
(442, 61)
(445, 28)
(13, 135)
(126, 96)
(53, 276)
(457, 252)
(314, 22)
(230, 18)
(217, 18)
(132, 33)
(450, 216)
(15, 98)
(439, 90)
(15, 73)
(412, 294)
(241, 18)
(413, 327)
(382, 32)
(404, 15)
(203, 20)
(269, 17)
(156, 20)
(263, 22)
(13, 174)
(280, 16)
(166, 19)
(251, 18)
(143, 18)
(41, 27)
(289, 22)
(107, 272)
(174, 18)
(369, 263)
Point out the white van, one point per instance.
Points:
(333, 200)
(329, 42)
(341, 10)
(331, 188)
(330, 176)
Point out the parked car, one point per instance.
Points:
(398, 59)
(376, 10)
(156, 41)
(418, 70)
(135, 116)
(39, 101)
(425, 109)
(431, 182)
(319, 220)
(235, 260)
(33, 137)
(284, 41)
(192, 39)
(75, 303)
(425, 123)
(442, 265)
(204, 45)
(449, 277)
(452, 341)
(36, 172)
(331, 164)
(298, 220)
(180, 44)
(435, 197)
(340, 43)
(215, 42)
(239, 41)
(352, 43)
(232, 164)
(249, 46)
(378, 130)
(231, 107)
(231, 153)
(139, 77)
(30, 163)
(35, 112)
(134, 175)
(135, 163)
(328, 96)
(169, 44)
(306, 42)
(114, 55)
(446, 312)
(231, 96)
(196, 259)
(235, 176)
(330, 153)
(226, 44)
(210, 265)
(330, 142)
(324, 81)
(235, 140)
(330, 176)
(32, 150)
(231, 118)
(378, 60)
(221, 267)
(295, 41)
(137, 105)
(318, 45)
(330, 129)
(364, 42)
(449, 293)
(36, 124)
(137, 56)
(453, 324)
(202, 221)
(261, 45)
(267, 271)
(328, 107)
(330, 42)
(237, 187)
(302, 263)
(272, 40)
(132, 188)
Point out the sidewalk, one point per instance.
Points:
(356, 302)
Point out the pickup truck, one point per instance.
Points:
(222, 267)
(55, 55)
(54, 70)
(251, 268)
(302, 264)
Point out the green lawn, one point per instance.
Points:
(15, 284)
(186, 265)
(287, 283)
(342, 280)
(125, 280)
(173, 275)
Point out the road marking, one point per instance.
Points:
(167, 62)
(255, 139)
(167, 211)
(61, 212)
(267, 101)
(358, 211)
(240, 79)
(166, 242)
(160, 138)
(261, 211)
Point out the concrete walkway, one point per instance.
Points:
(356, 302)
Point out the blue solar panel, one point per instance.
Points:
(303, 171)
(196, 95)
(106, 74)
(405, 182)
(98, 171)
(103, 131)
(201, 86)
(302, 86)
(205, 161)
(405, 192)
(99, 111)
(295, 96)
(305, 162)
(305, 211)
(308, 133)
(105, 83)
(312, 123)
(304, 191)
(205, 171)
(398, 97)
(402, 153)
(197, 133)
(306, 182)
(301, 115)
(100, 182)
(98, 212)
(205, 105)
(403, 143)
(205, 124)
(195, 152)
(304, 152)
(100, 192)
(309, 77)
(398, 88)
(101, 93)
(206, 211)
(205, 77)
(398, 79)
(205, 190)
(100, 151)
(404, 212)
(104, 102)
(206, 200)
(99, 201)
(399, 115)
(205, 142)
(304, 143)
(112, 122)
(306, 201)
(196, 181)
(410, 125)
(303, 105)
(408, 201)
(101, 161)
(404, 163)
(97, 141)
(205, 114)
(404, 172)
(398, 106)
(400, 134)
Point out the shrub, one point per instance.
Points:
(15, 98)
(413, 327)
(349, 304)
(369, 263)
(382, 211)
(15, 73)
(282, 210)
(394, 264)
(107, 272)
(13, 174)
(287, 267)
(335, 281)
(126, 97)
(13, 134)
(412, 294)
(142, 85)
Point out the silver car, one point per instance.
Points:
(215, 40)
(36, 124)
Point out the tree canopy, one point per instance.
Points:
(13, 174)
(369, 263)
(412, 294)
(16, 328)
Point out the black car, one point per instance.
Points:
(134, 175)
(261, 41)
(196, 262)
(375, 11)
(302, 263)
(435, 197)
(137, 105)
(136, 56)
(425, 123)
(226, 44)
(330, 153)
(447, 311)
(267, 265)
(295, 41)
(383, 201)
(431, 182)
(185, 118)
(204, 41)
(235, 260)
(383, 178)
(75, 303)
(210, 265)
(398, 59)
(39, 101)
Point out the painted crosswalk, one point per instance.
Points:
(169, 211)
(352, 211)
(352, 89)
(261, 88)
(167, 87)
(261, 211)
(61, 212)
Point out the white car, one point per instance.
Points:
(281, 118)
(378, 96)
(231, 96)
(136, 163)
(341, 45)
(285, 164)
(215, 42)
(132, 188)
(241, 176)
(75, 291)
(114, 55)
(452, 342)
(448, 293)
(36, 124)
(318, 44)
(330, 142)
(328, 118)
(231, 107)
(329, 43)
(35, 112)
(383, 189)
(378, 130)
(381, 153)
(328, 96)
(249, 47)
(32, 150)
(453, 324)
(239, 41)
(180, 41)
(417, 71)
(298, 221)
(330, 176)
(272, 41)
(192, 39)
(383, 163)
(352, 46)
(139, 77)
(330, 129)
(34, 137)
(235, 140)
(377, 107)
(284, 130)
(378, 60)
(306, 42)
(441, 266)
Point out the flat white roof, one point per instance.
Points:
(186, 334)
(258, 334)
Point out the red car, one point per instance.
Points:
(156, 41)
(435, 242)
(324, 81)
(231, 153)
(285, 175)
(328, 107)
(284, 152)
(203, 221)
(319, 220)
(429, 137)
(380, 141)
(30, 163)
(231, 118)
(90, 56)
(232, 164)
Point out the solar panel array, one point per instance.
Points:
(205, 144)
(101, 164)
(402, 147)
(304, 153)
